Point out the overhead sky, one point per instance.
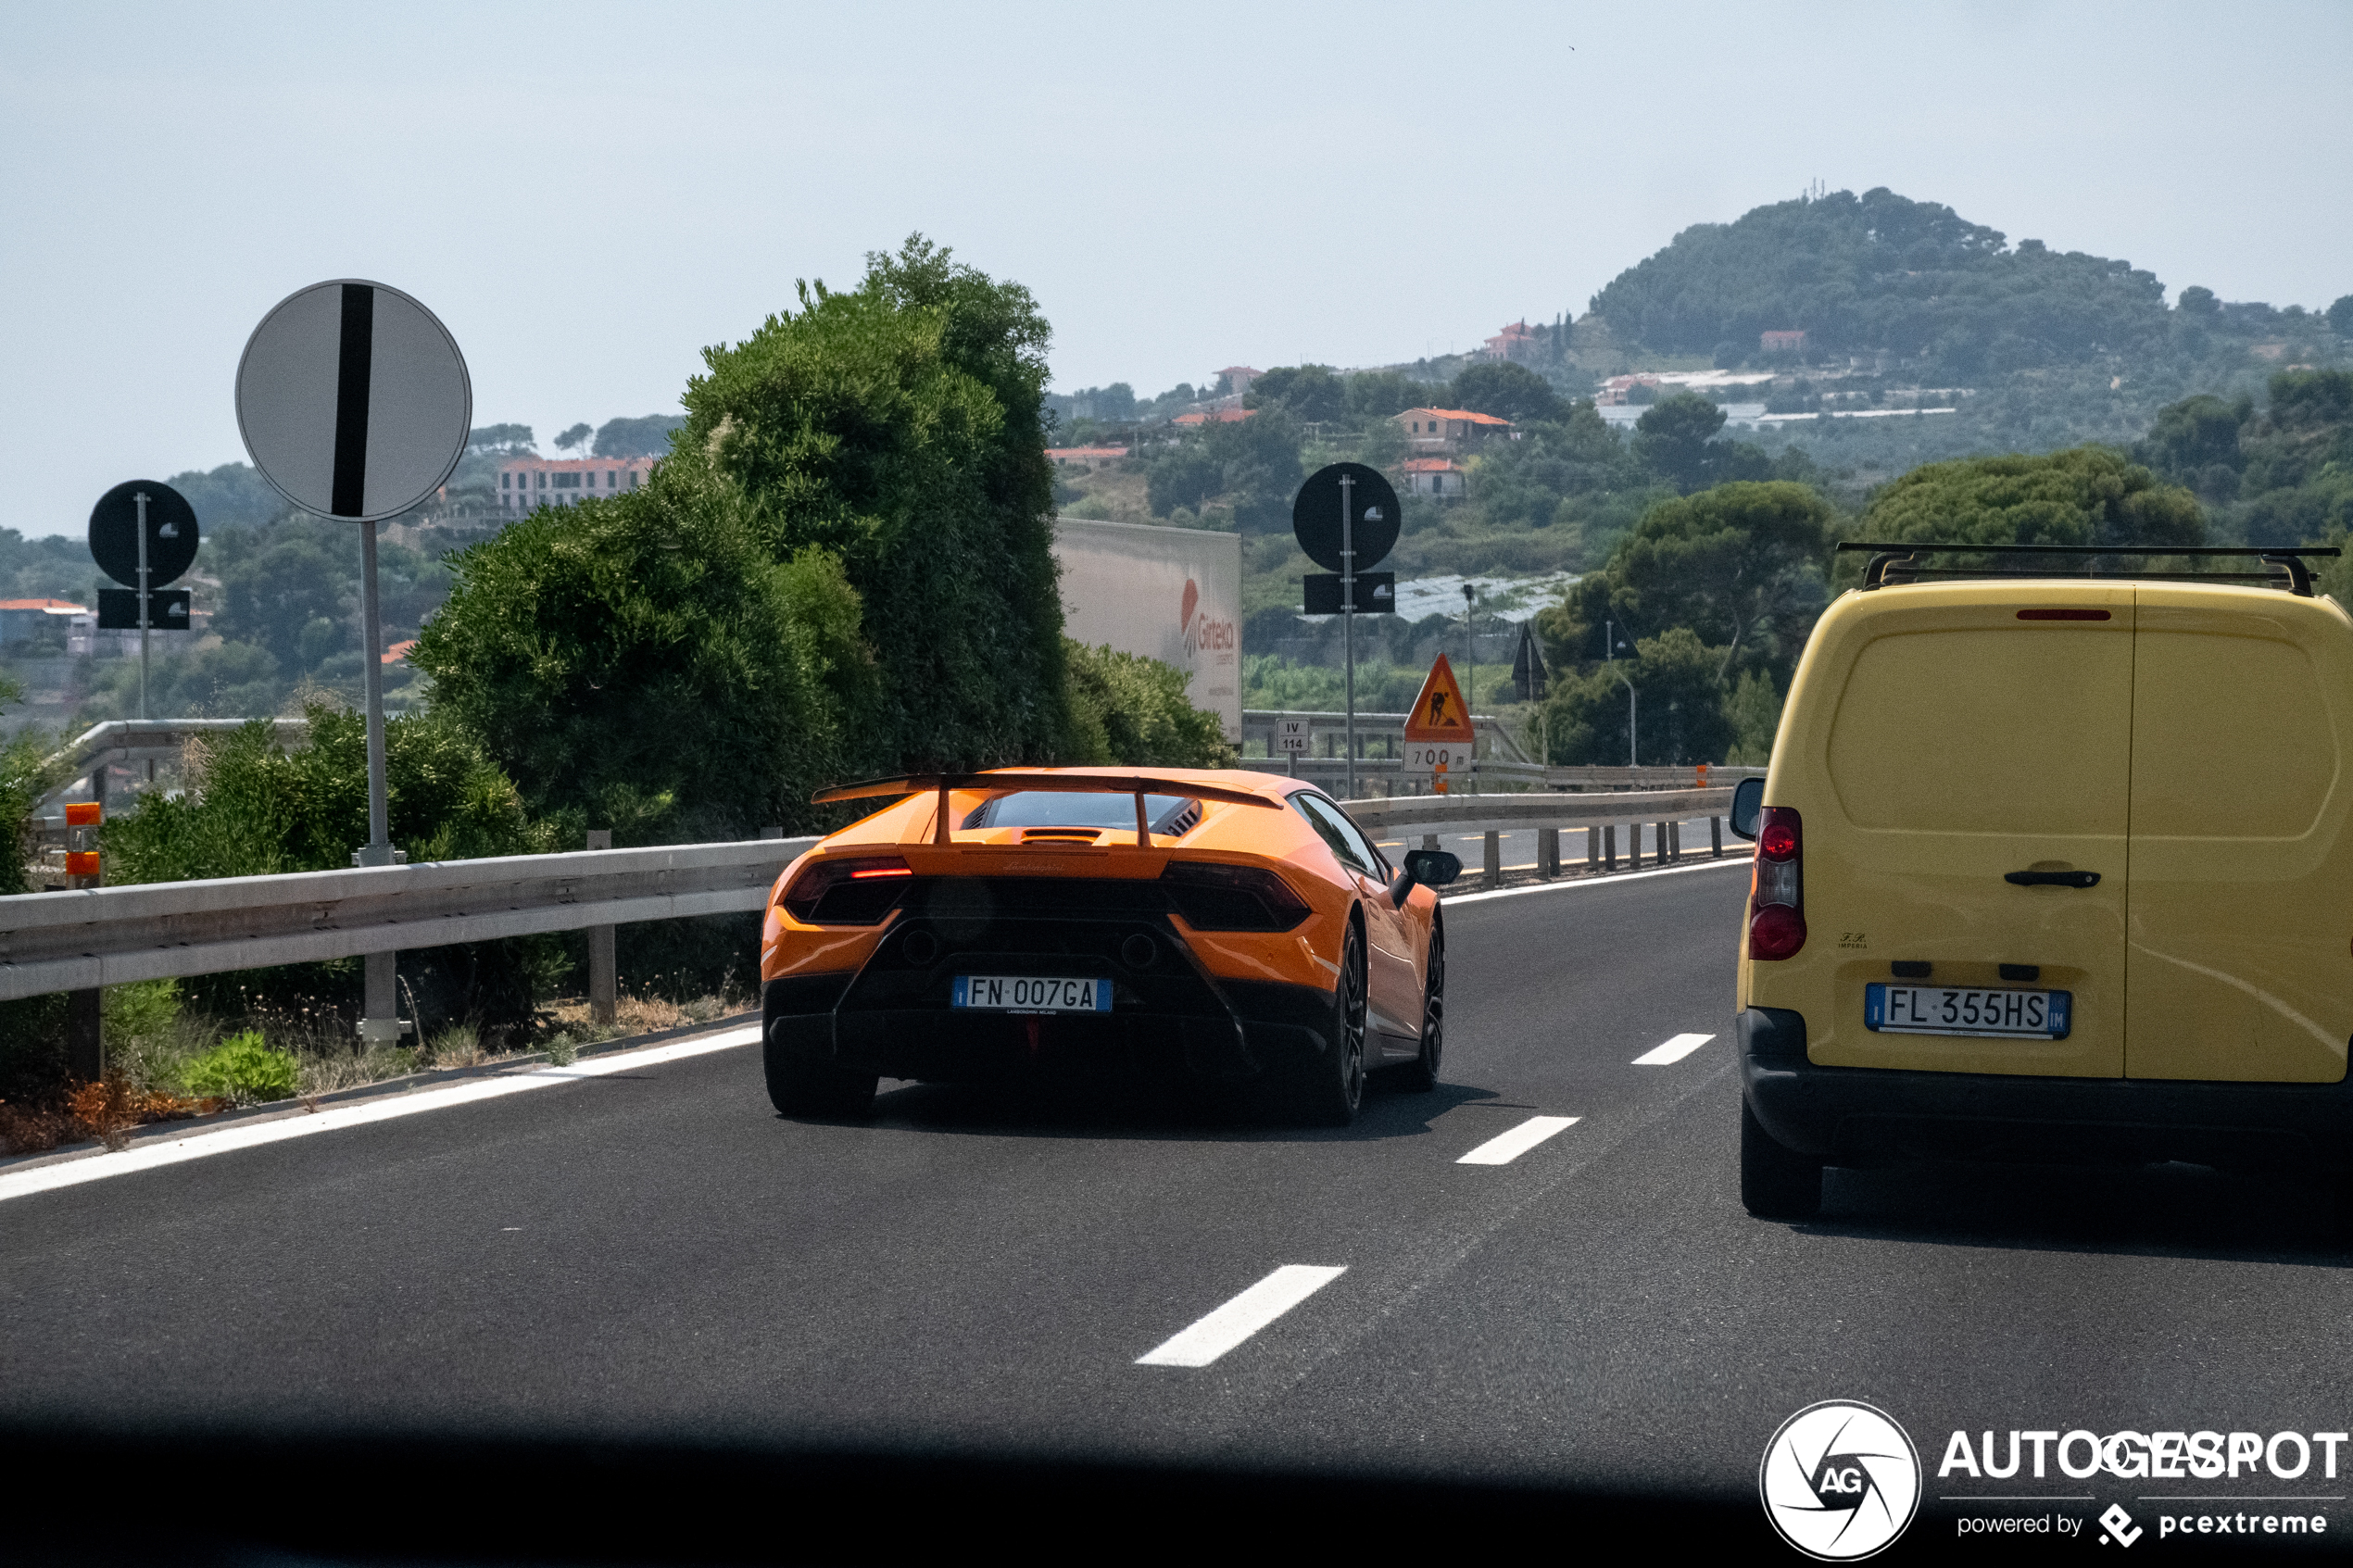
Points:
(589, 193)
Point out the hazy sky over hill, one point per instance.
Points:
(587, 194)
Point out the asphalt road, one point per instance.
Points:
(653, 1253)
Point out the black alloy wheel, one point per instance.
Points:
(1420, 1076)
(1331, 1086)
(1777, 1183)
(801, 1084)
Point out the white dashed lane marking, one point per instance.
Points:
(1673, 1050)
(1508, 1146)
(1243, 1316)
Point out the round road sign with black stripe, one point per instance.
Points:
(353, 400)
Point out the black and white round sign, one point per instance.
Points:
(353, 400)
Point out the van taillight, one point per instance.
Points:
(1776, 900)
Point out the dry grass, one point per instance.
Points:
(636, 1015)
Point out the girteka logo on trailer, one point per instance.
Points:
(1839, 1480)
(1201, 631)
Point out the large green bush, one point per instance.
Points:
(844, 565)
(1128, 709)
(256, 808)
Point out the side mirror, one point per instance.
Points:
(1748, 804)
(1435, 867)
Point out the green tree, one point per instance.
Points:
(1381, 395)
(1674, 439)
(1507, 390)
(647, 436)
(2341, 316)
(276, 582)
(1739, 565)
(2196, 442)
(2083, 496)
(1678, 715)
(843, 566)
(1754, 711)
(501, 441)
(574, 439)
(1251, 463)
(230, 496)
(1130, 709)
(1305, 391)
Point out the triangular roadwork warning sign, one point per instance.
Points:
(1439, 713)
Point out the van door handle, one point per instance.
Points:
(2052, 879)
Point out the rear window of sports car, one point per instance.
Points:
(1055, 808)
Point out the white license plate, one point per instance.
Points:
(1962, 1010)
(1030, 993)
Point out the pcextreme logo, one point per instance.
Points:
(1839, 1480)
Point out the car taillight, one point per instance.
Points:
(1777, 899)
(855, 891)
(1219, 897)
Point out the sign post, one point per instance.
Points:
(354, 403)
(1345, 518)
(142, 535)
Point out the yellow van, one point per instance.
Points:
(2052, 866)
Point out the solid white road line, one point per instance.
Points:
(1243, 1316)
(1508, 1146)
(1675, 1049)
(148, 1156)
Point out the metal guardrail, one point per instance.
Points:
(120, 741)
(1374, 728)
(1400, 815)
(1511, 777)
(78, 940)
(82, 939)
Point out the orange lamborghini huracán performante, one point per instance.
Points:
(1232, 926)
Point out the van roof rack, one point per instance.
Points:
(1894, 562)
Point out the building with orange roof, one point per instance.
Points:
(1429, 431)
(1222, 416)
(1441, 477)
(1515, 340)
(24, 620)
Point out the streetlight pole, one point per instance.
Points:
(1632, 732)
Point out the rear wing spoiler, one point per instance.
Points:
(1137, 785)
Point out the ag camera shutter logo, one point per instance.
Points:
(1839, 1480)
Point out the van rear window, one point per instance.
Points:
(1988, 731)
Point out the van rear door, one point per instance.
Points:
(2238, 966)
(1980, 732)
